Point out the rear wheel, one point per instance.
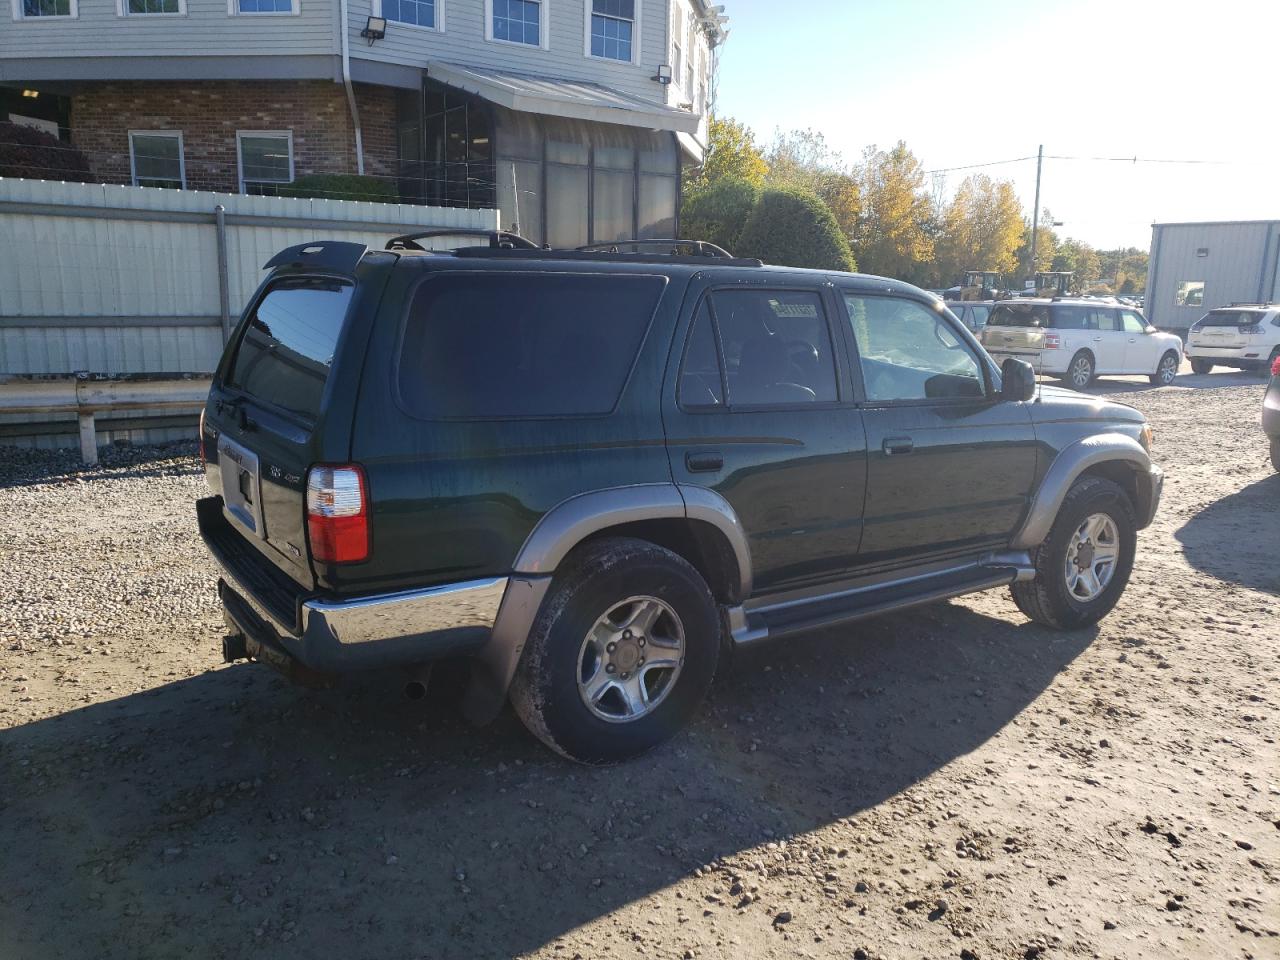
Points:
(1082, 567)
(621, 655)
(1080, 370)
(1264, 368)
(1201, 366)
(1167, 369)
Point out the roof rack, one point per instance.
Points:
(701, 248)
(498, 239)
(1247, 303)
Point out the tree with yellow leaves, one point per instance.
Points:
(894, 235)
(981, 230)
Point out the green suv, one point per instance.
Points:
(592, 473)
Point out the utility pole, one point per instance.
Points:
(1035, 213)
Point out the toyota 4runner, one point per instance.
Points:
(593, 473)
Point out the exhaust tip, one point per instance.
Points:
(415, 689)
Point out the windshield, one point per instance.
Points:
(1230, 318)
(1019, 315)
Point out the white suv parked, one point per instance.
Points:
(1245, 336)
(1078, 340)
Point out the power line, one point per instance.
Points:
(1051, 156)
(974, 166)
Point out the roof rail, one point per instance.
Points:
(1247, 303)
(498, 239)
(602, 256)
(700, 248)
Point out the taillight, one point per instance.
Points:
(1275, 367)
(203, 461)
(1052, 341)
(338, 514)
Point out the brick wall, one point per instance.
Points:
(210, 112)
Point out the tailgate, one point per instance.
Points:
(262, 421)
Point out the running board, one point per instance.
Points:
(858, 603)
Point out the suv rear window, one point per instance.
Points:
(489, 346)
(1231, 318)
(287, 347)
(1019, 315)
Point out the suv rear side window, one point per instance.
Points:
(287, 348)
(496, 346)
(776, 350)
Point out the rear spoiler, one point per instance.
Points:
(335, 256)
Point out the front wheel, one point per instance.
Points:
(621, 655)
(1082, 567)
(1080, 370)
(1201, 366)
(1166, 371)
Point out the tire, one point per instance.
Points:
(1264, 368)
(1080, 371)
(567, 642)
(1047, 599)
(1201, 366)
(1166, 369)
(1275, 453)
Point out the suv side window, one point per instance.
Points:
(1104, 320)
(1132, 322)
(909, 352)
(482, 345)
(774, 349)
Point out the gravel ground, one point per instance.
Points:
(950, 782)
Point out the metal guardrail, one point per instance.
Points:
(86, 395)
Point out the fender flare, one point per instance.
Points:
(1067, 466)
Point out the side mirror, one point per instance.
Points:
(1018, 380)
(1150, 329)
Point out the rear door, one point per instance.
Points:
(759, 411)
(264, 418)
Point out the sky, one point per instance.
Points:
(973, 81)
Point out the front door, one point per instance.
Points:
(1108, 339)
(757, 409)
(950, 466)
(1139, 348)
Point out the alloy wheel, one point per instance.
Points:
(1092, 555)
(630, 659)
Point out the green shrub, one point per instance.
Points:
(35, 155)
(717, 213)
(342, 186)
(794, 228)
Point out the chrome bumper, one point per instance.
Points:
(411, 626)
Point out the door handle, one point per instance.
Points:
(1097, 339)
(895, 446)
(703, 461)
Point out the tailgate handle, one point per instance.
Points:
(895, 446)
(703, 461)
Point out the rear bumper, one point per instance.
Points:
(1044, 361)
(1244, 354)
(336, 635)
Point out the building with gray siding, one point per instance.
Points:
(573, 117)
(1195, 267)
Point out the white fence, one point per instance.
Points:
(111, 280)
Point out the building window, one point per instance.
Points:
(264, 6)
(689, 55)
(1190, 293)
(135, 8)
(266, 160)
(30, 9)
(155, 158)
(517, 21)
(612, 28)
(416, 13)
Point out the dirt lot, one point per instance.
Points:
(952, 782)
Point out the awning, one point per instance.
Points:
(555, 97)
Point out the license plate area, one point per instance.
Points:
(241, 487)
